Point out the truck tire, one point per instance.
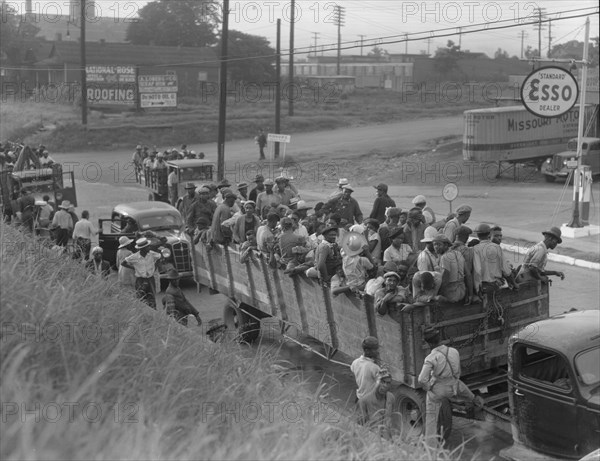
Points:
(549, 178)
(243, 327)
(410, 405)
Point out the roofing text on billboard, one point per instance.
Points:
(111, 85)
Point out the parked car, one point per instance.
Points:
(157, 220)
(559, 165)
(554, 387)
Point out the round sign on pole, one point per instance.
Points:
(549, 91)
(450, 192)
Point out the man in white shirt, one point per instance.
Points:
(172, 182)
(83, 232)
(144, 264)
(366, 367)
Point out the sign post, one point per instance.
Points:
(450, 192)
(158, 90)
(273, 138)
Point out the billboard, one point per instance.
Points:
(111, 85)
(158, 90)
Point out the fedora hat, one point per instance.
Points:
(124, 241)
(554, 232)
(142, 243)
(302, 205)
(190, 185)
(65, 204)
(352, 243)
(172, 274)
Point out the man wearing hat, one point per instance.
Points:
(187, 203)
(489, 266)
(202, 207)
(377, 406)
(97, 265)
(137, 158)
(328, 258)
(414, 229)
(398, 251)
(283, 192)
(366, 367)
(175, 302)
(126, 275)
(148, 162)
(428, 260)
(159, 163)
(390, 298)
(242, 189)
(144, 264)
(421, 202)
(223, 212)
(63, 223)
(265, 234)
(460, 245)
(440, 377)
(261, 140)
(172, 182)
(267, 198)
(345, 206)
(534, 264)
(259, 180)
(356, 262)
(340, 190)
(83, 232)
(391, 223)
(463, 213)
(382, 202)
(457, 281)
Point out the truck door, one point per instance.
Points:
(544, 400)
(66, 190)
(108, 238)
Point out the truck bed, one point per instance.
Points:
(342, 322)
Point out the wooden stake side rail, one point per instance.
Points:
(342, 322)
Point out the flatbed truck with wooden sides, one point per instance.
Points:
(479, 331)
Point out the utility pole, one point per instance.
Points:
(291, 72)
(362, 41)
(278, 87)
(223, 93)
(339, 19)
(523, 34)
(315, 37)
(406, 44)
(539, 26)
(460, 38)
(549, 38)
(83, 65)
(428, 46)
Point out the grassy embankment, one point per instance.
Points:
(90, 373)
(196, 120)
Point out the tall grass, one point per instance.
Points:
(88, 372)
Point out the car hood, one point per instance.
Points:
(567, 154)
(172, 235)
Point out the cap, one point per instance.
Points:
(223, 183)
(252, 203)
(65, 204)
(482, 229)
(554, 232)
(383, 373)
(464, 230)
(343, 182)
(242, 185)
(171, 274)
(464, 209)
(269, 182)
(419, 199)
(441, 238)
(227, 193)
(429, 234)
(391, 274)
(430, 333)
(372, 221)
(204, 190)
(190, 185)
(390, 266)
(382, 187)
(370, 342)
(124, 241)
(142, 243)
(96, 250)
(279, 179)
(259, 178)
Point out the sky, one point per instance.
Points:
(388, 21)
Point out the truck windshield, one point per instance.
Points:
(198, 173)
(572, 146)
(165, 221)
(588, 366)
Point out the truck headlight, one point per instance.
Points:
(564, 162)
(549, 160)
(166, 253)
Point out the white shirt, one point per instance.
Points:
(397, 255)
(301, 231)
(172, 179)
(84, 229)
(144, 266)
(365, 372)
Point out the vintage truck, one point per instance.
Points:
(479, 331)
(554, 388)
(558, 166)
(198, 172)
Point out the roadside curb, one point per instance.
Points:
(569, 260)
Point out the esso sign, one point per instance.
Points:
(549, 92)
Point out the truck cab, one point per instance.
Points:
(159, 221)
(554, 387)
(559, 165)
(198, 172)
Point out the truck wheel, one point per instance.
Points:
(410, 405)
(444, 424)
(244, 327)
(549, 178)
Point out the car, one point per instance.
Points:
(159, 221)
(554, 387)
(559, 165)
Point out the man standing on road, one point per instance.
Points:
(175, 302)
(534, 265)
(366, 367)
(462, 216)
(63, 222)
(137, 158)
(382, 202)
(440, 377)
(83, 232)
(144, 264)
(261, 140)
(346, 206)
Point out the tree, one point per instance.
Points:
(531, 53)
(15, 33)
(379, 53)
(501, 54)
(573, 49)
(176, 23)
(446, 59)
(251, 58)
